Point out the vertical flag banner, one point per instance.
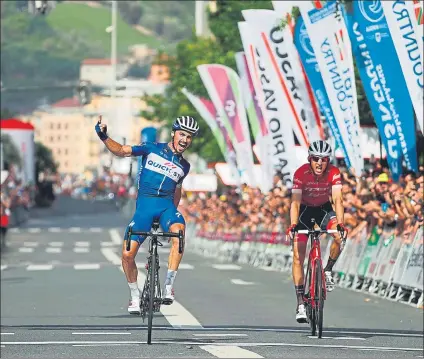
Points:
(335, 60)
(307, 56)
(401, 22)
(416, 7)
(207, 110)
(224, 88)
(257, 121)
(283, 10)
(272, 103)
(286, 66)
(384, 84)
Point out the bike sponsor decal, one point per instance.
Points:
(162, 166)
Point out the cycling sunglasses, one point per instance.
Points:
(316, 159)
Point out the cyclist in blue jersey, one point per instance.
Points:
(162, 172)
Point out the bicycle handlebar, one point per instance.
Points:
(179, 235)
(319, 231)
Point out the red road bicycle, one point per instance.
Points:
(315, 290)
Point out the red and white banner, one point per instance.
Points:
(224, 88)
(400, 18)
(257, 122)
(272, 101)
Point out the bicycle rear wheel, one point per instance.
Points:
(152, 279)
(319, 298)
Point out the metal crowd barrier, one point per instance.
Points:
(380, 264)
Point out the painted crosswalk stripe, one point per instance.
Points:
(34, 230)
(33, 267)
(81, 250)
(185, 266)
(31, 244)
(26, 250)
(53, 250)
(3, 267)
(56, 244)
(82, 244)
(107, 244)
(241, 282)
(87, 266)
(96, 229)
(55, 229)
(229, 351)
(220, 335)
(115, 236)
(226, 266)
(74, 229)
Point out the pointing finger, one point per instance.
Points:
(100, 119)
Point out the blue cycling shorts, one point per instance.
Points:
(149, 209)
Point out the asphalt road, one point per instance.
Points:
(64, 295)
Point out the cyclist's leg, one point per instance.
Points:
(141, 221)
(330, 222)
(171, 220)
(299, 251)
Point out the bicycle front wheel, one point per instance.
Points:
(319, 298)
(152, 278)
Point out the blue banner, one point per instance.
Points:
(309, 62)
(384, 83)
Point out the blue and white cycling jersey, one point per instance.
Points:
(162, 171)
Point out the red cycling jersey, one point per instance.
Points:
(315, 190)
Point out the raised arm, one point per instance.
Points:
(115, 147)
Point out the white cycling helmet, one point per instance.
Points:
(186, 123)
(319, 148)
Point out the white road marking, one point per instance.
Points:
(31, 244)
(40, 267)
(74, 229)
(87, 266)
(100, 345)
(270, 344)
(7, 333)
(115, 236)
(82, 244)
(269, 269)
(107, 244)
(229, 351)
(175, 314)
(96, 229)
(56, 244)
(226, 266)
(26, 250)
(3, 266)
(55, 229)
(101, 333)
(220, 335)
(34, 230)
(241, 282)
(14, 230)
(53, 250)
(81, 250)
(185, 266)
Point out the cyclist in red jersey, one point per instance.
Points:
(314, 184)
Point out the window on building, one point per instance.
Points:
(66, 126)
(51, 138)
(58, 137)
(59, 126)
(51, 126)
(66, 151)
(58, 151)
(66, 164)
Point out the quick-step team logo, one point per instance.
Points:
(160, 165)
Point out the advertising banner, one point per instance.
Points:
(331, 48)
(384, 83)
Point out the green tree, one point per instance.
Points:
(43, 160)
(6, 113)
(11, 152)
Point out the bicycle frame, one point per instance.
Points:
(151, 298)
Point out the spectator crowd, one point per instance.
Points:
(371, 199)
